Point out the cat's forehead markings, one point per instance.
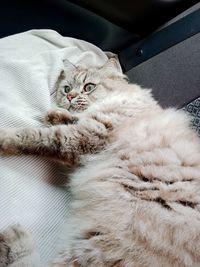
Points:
(81, 76)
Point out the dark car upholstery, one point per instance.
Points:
(137, 16)
(109, 24)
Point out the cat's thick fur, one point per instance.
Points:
(136, 186)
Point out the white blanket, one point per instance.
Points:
(30, 64)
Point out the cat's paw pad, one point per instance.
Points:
(59, 117)
(15, 242)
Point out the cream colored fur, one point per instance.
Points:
(136, 185)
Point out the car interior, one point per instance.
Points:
(157, 43)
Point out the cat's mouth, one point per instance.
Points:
(77, 108)
(78, 104)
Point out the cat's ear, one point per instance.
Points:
(113, 64)
(68, 65)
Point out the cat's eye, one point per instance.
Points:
(67, 88)
(89, 87)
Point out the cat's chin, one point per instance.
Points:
(64, 105)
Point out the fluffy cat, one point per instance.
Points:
(136, 172)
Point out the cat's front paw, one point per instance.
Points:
(59, 117)
(10, 141)
(6, 140)
(15, 244)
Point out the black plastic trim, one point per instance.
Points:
(160, 41)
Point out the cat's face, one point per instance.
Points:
(79, 87)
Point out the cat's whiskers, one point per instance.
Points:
(76, 108)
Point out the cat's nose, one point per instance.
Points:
(71, 96)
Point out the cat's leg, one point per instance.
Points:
(17, 248)
(65, 143)
(59, 116)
